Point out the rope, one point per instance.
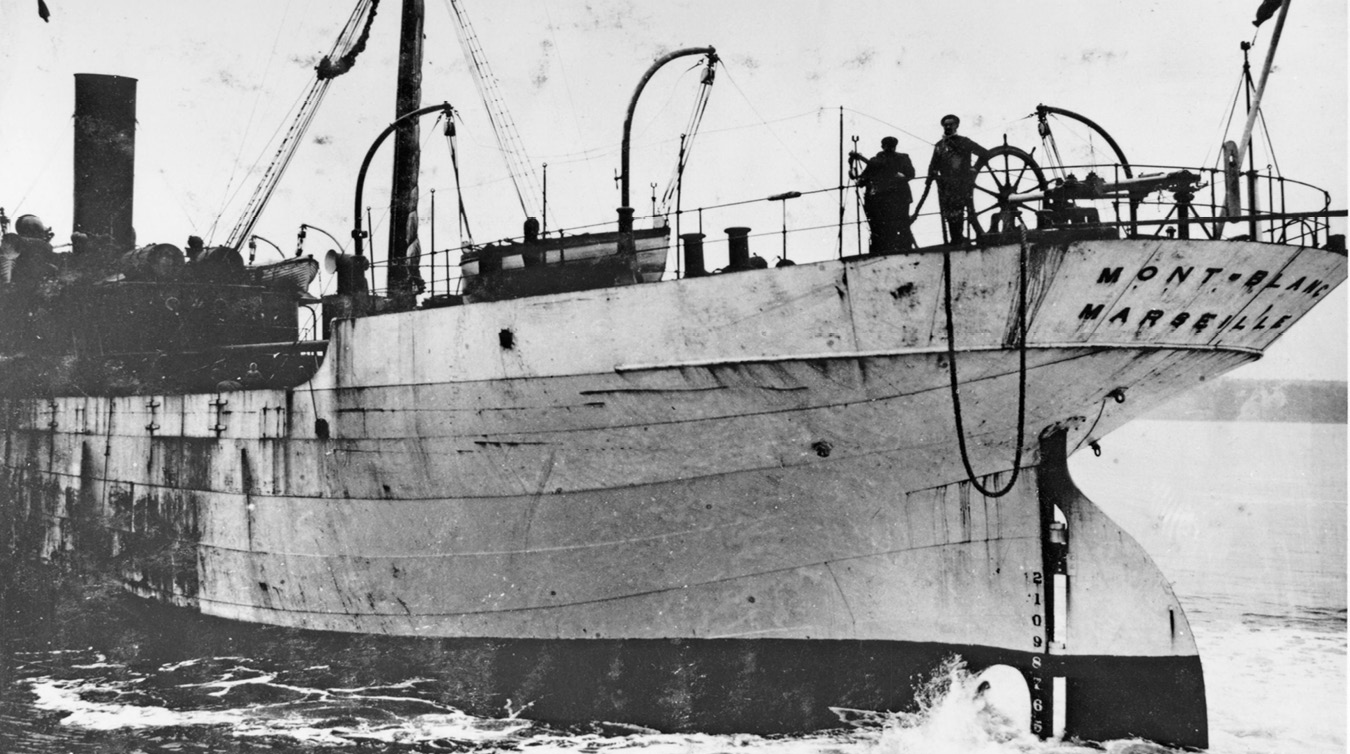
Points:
(509, 144)
(922, 197)
(291, 141)
(1228, 124)
(227, 194)
(1052, 149)
(464, 230)
(1270, 145)
(1088, 435)
(331, 69)
(890, 125)
(687, 147)
(808, 169)
(1021, 369)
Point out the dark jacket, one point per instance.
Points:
(887, 173)
(951, 164)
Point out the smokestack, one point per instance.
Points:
(105, 159)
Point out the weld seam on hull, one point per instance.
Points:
(993, 431)
(596, 601)
(573, 548)
(939, 351)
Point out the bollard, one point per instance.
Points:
(738, 248)
(693, 255)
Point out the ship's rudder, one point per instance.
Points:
(1116, 633)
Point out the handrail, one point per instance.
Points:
(1297, 213)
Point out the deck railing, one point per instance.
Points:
(829, 223)
(1283, 210)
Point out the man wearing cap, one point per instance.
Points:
(887, 197)
(951, 168)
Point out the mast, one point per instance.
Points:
(1261, 85)
(1254, 109)
(404, 280)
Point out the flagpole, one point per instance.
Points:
(1261, 84)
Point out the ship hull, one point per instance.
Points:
(759, 465)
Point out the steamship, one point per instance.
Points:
(719, 501)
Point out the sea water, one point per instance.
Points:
(1247, 519)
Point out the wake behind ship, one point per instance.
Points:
(725, 502)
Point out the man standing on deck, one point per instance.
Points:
(886, 181)
(952, 170)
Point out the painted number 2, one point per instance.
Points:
(1036, 620)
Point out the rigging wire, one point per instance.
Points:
(567, 82)
(338, 61)
(465, 234)
(518, 163)
(687, 145)
(248, 124)
(888, 124)
(272, 176)
(640, 129)
(609, 151)
(1270, 145)
(41, 173)
(233, 190)
(1227, 125)
(1052, 149)
(763, 122)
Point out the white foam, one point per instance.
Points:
(65, 696)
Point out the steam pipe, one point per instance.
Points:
(357, 233)
(625, 210)
(253, 247)
(306, 226)
(1041, 110)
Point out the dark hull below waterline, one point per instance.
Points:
(720, 686)
(772, 686)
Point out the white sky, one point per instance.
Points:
(217, 80)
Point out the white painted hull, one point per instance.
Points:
(766, 455)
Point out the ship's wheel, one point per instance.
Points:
(1000, 176)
